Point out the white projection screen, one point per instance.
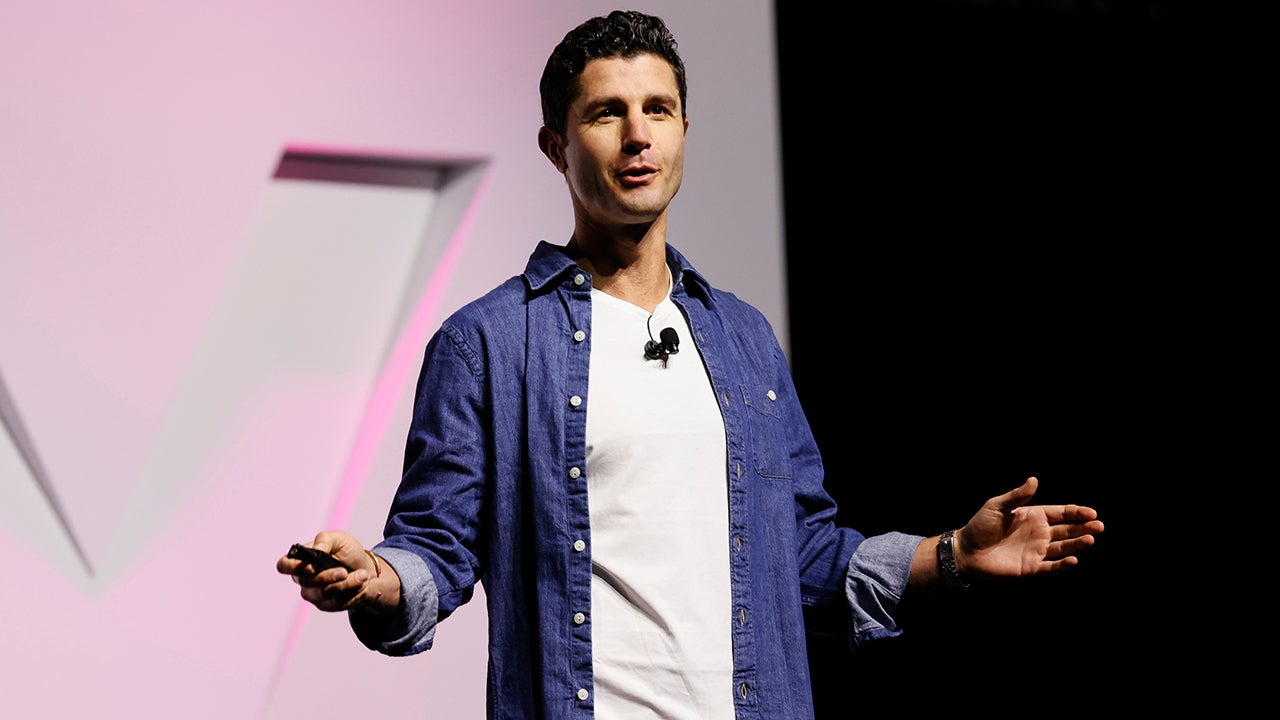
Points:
(226, 231)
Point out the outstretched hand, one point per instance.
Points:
(1009, 538)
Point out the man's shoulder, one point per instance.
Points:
(507, 297)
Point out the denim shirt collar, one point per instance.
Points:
(550, 262)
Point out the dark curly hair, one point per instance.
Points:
(619, 34)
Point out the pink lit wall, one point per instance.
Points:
(205, 356)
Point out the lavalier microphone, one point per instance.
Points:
(667, 344)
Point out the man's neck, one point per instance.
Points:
(634, 270)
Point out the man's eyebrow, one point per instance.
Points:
(664, 99)
(600, 101)
(606, 100)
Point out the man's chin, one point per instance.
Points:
(643, 210)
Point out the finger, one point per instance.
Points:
(322, 578)
(1060, 563)
(1062, 531)
(295, 568)
(1016, 497)
(1069, 513)
(1069, 547)
(312, 595)
(363, 596)
(340, 545)
(331, 597)
(323, 541)
(343, 590)
(332, 541)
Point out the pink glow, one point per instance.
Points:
(401, 365)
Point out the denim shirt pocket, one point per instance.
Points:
(766, 431)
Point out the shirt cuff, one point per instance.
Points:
(877, 576)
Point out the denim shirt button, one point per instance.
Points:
(582, 693)
(579, 279)
(579, 618)
(575, 472)
(575, 401)
(579, 336)
(579, 546)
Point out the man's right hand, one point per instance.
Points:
(364, 585)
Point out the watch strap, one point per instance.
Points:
(947, 561)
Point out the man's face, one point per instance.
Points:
(623, 150)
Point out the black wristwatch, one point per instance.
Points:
(947, 561)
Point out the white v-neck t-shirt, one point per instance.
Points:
(661, 611)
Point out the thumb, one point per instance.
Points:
(1018, 496)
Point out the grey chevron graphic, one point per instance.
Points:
(12, 421)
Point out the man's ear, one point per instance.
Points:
(552, 145)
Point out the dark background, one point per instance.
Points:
(981, 200)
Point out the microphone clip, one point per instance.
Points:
(667, 344)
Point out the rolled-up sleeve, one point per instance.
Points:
(877, 576)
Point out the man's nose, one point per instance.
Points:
(636, 133)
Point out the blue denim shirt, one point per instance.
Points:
(495, 491)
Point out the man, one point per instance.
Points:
(646, 512)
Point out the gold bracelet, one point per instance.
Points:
(377, 566)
